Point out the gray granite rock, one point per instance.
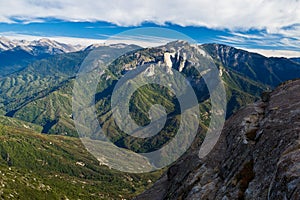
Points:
(257, 156)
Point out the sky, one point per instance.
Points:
(270, 27)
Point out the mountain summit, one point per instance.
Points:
(37, 47)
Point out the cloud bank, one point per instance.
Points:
(271, 15)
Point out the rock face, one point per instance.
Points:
(256, 157)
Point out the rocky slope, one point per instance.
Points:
(256, 157)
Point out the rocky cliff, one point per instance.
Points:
(256, 157)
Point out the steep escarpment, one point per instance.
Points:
(256, 157)
(271, 71)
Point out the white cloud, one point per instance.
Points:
(276, 53)
(141, 41)
(232, 14)
(272, 16)
(284, 39)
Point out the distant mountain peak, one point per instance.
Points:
(6, 44)
(34, 47)
(117, 46)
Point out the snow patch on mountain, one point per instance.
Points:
(41, 46)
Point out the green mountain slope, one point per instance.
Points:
(269, 71)
(13, 122)
(53, 111)
(37, 166)
(245, 76)
(37, 80)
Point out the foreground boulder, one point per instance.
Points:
(256, 157)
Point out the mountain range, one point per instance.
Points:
(50, 80)
(17, 54)
(36, 85)
(37, 47)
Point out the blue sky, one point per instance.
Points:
(269, 27)
(101, 30)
